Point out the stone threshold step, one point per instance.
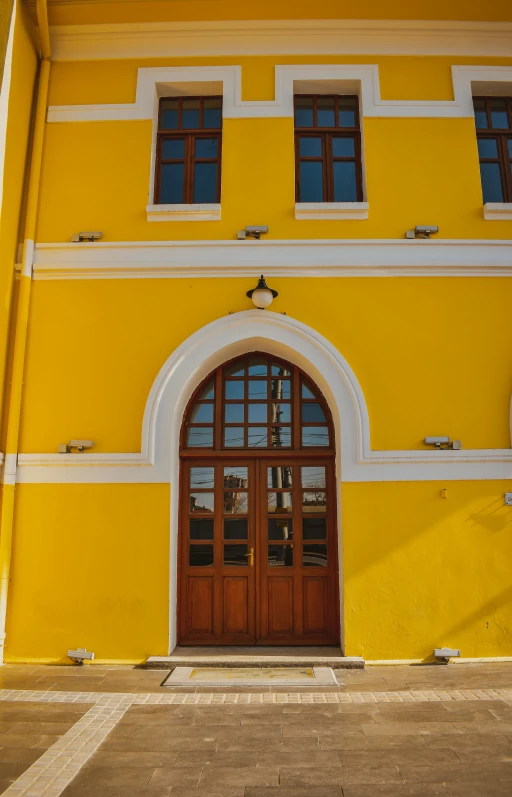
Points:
(255, 657)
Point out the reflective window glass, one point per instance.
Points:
(314, 555)
(315, 436)
(235, 390)
(480, 114)
(281, 436)
(235, 529)
(280, 389)
(257, 437)
(311, 181)
(257, 413)
(306, 392)
(169, 115)
(200, 556)
(201, 529)
(236, 476)
(200, 437)
(279, 370)
(201, 502)
(488, 147)
(313, 476)
(281, 413)
(234, 413)
(173, 148)
(313, 502)
(314, 528)
(202, 413)
(171, 183)
(491, 182)
(257, 389)
(325, 111)
(234, 436)
(312, 413)
(212, 112)
(347, 111)
(205, 183)
(279, 502)
(236, 503)
(280, 529)
(499, 115)
(304, 112)
(280, 556)
(310, 147)
(206, 147)
(280, 476)
(190, 114)
(345, 185)
(236, 556)
(343, 147)
(208, 391)
(238, 369)
(202, 478)
(257, 367)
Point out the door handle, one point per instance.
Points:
(250, 556)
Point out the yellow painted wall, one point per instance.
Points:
(424, 572)
(90, 569)
(417, 170)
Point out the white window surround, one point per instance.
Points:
(498, 211)
(210, 212)
(332, 210)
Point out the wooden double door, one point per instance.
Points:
(258, 552)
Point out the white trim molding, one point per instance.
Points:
(362, 79)
(210, 212)
(228, 337)
(280, 37)
(388, 257)
(332, 210)
(498, 211)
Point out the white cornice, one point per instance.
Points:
(287, 258)
(280, 37)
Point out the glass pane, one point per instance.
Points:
(347, 111)
(314, 528)
(235, 390)
(169, 115)
(236, 556)
(257, 413)
(281, 437)
(280, 476)
(325, 111)
(281, 413)
(314, 555)
(280, 529)
(306, 392)
(235, 503)
(480, 114)
(257, 389)
(315, 436)
(281, 388)
(202, 413)
(171, 183)
(201, 477)
(257, 367)
(313, 502)
(173, 148)
(304, 112)
(279, 502)
(257, 437)
(205, 183)
(235, 529)
(201, 502)
(311, 181)
(487, 147)
(234, 436)
(510, 148)
(280, 556)
(491, 182)
(235, 477)
(313, 476)
(238, 369)
(190, 114)
(201, 529)
(234, 413)
(499, 116)
(280, 370)
(345, 188)
(206, 147)
(312, 413)
(200, 437)
(200, 556)
(310, 147)
(212, 113)
(343, 147)
(208, 391)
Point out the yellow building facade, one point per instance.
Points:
(401, 336)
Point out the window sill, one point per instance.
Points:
(498, 211)
(183, 212)
(331, 210)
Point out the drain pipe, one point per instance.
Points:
(22, 315)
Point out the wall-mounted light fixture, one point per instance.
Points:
(262, 296)
(443, 655)
(255, 231)
(79, 445)
(422, 231)
(443, 443)
(80, 654)
(78, 237)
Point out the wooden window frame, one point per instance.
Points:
(327, 134)
(502, 136)
(189, 135)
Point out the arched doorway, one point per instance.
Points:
(257, 534)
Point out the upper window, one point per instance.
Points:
(188, 151)
(493, 119)
(327, 149)
(257, 402)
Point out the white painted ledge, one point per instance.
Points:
(331, 210)
(183, 212)
(498, 211)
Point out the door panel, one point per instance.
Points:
(280, 606)
(200, 606)
(235, 605)
(316, 605)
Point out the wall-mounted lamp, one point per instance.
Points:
(80, 654)
(443, 655)
(262, 296)
(79, 445)
(443, 443)
(422, 231)
(78, 237)
(252, 232)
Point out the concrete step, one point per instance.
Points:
(256, 657)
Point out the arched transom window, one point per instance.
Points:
(257, 402)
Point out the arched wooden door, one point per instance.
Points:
(258, 542)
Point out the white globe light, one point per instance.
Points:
(262, 298)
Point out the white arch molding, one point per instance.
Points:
(222, 340)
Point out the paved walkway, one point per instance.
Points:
(114, 732)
